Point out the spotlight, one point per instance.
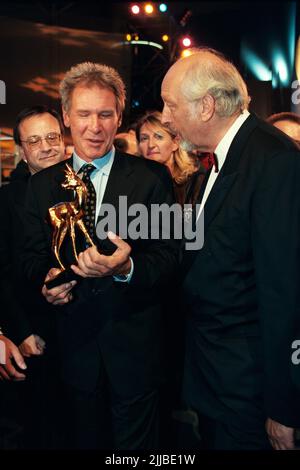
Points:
(136, 37)
(186, 41)
(185, 53)
(165, 38)
(135, 9)
(128, 37)
(149, 9)
(163, 7)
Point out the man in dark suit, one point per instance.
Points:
(25, 317)
(241, 289)
(111, 319)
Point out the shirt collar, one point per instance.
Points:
(224, 144)
(103, 164)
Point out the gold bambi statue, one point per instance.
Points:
(65, 216)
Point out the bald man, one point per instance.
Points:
(289, 123)
(241, 288)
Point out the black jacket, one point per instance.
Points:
(242, 288)
(23, 310)
(110, 326)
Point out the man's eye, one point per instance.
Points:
(105, 115)
(33, 140)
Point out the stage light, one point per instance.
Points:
(149, 9)
(297, 59)
(165, 38)
(185, 53)
(257, 66)
(186, 41)
(128, 37)
(135, 9)
(163, 7)
(136, 37)
(281, 67)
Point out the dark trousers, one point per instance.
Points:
(216, 435)
(102, 420)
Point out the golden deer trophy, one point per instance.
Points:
(65, 216)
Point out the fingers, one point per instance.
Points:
(3, 374)
(281, 437)
(17, 356)
(29, 347)
(91, 263)
(10, 373)
(59, 295)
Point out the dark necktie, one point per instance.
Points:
(90, 202)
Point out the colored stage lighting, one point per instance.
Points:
(186, 42)
(163, 7)
(149, 9)
(135, 9)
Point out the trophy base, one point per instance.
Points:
(62, 278)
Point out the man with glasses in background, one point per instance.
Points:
(25, 317)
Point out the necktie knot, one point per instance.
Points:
(209, 160)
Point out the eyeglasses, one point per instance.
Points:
(35, 141)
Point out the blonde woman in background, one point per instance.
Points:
(157, 142)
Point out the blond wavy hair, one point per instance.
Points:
(184, 165)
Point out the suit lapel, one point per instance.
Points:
(118, 183)
(223, 184)
(229, 172)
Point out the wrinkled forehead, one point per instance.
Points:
(172, 82)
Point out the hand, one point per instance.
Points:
(59, 295)
(10, 351)
(280, 436)
(31, 347)
(91, 263)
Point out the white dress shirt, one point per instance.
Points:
(99, 176)
(221, 152)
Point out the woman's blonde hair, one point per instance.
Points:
(184, 165)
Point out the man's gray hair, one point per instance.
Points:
(218, 78)
(89, 74)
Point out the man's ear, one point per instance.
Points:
(22, 154)
(207, 106)
(66, 118)
(120, 121)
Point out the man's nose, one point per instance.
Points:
(165, 115)
(94, 124)
(45, 146)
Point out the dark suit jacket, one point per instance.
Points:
(242, 287)
(109, 326)
(23, 311)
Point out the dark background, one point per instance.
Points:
(41, 40)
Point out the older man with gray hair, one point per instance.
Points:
(241, 289)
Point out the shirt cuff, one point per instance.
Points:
(125, 277)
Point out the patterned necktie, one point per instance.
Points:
(90, 202)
